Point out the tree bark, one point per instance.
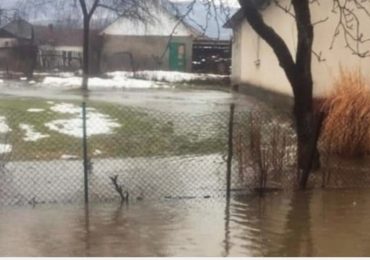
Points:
(299, 74)
(87, 14)
(85, 54)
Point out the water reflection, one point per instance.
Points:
(297, 238)
(320, 223)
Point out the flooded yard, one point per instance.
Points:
(188, 99)
(320, 223)
(175, 172)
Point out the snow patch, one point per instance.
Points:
(1, 81)
(23, 78)
(30, 134)
(55, 74)
(97, 152)
(5, 148)
(166, 76)
(4, 128)
(66, 108)
(97, 123)
(119, 82)
(68, 157)
(35, 110)
(31, 82)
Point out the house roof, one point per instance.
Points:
(18, 28)
(207, 21)
(238, 16)
(195, 23)
(236, 19)
(59, 36)
(164, 23)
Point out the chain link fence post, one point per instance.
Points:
(230, 151)
(85, 156)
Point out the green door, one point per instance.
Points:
(177, 56)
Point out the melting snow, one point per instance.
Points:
(68, 157)
(5, 148)
(97, 123)
(30, 134)
(98, 83)
(4, 128)
(66, 108)
(166, 76)
(97, 152)
(127, 80)
(35, 110)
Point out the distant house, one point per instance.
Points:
(17, 48)
(163, 43)
(255, 64)
(59, 47)
(16, 33)
(166, 42)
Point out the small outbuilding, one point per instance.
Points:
(161, 43)
(17, 49)
(254, 64)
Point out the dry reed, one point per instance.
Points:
(346, 128)
(265, 151)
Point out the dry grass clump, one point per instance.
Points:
(265, 152)
(346, 128)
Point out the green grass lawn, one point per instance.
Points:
(141, 132)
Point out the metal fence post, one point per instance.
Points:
(85, 156)
(230, 151)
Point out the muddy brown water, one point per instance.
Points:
(320, 223)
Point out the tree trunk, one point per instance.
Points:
(299, 75)
(85, 54)
(308, 126)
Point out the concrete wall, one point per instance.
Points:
(146, 52)
(8, 42)
(255, 63)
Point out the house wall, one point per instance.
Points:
(161, 23)
(8, 42)
(236, 52)
(77, 49)
(255, 63)
(18, 58)
(146, 52)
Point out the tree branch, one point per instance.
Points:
(268, 34)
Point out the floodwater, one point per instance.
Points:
(316, 223)
(25, 183)
(181, 100)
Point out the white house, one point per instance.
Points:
(163, 42)
(254, 63)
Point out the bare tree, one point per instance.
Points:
(138, 10)
(297, 66)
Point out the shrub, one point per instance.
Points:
(265, 151)
(346, 127)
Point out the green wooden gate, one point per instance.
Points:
(177, 56)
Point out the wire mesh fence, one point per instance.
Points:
(64, 153)
(135, 153)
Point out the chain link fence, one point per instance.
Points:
(120, 153)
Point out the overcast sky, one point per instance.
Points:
(11, 3)
(233, 3)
